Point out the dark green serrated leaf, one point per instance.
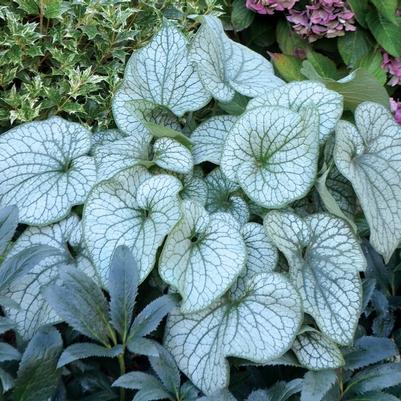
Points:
(151, 316)
(369, 350)
(317, 384)
(6, 380)
(123, 285)
(374, 396)
(376, 378)
(79, 351)
(137, 381)
(81, 303)
(37, 375)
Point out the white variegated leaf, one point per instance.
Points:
(305, 94)
(27, 290)
(202, 257)
(262, 255)
(324, 259)
(131, 114)
(208, 139)
(172, 155)
(160, 73)
(223, 196)
(45, 170)
(134, 209)
(100, 138)
(194, 188)
(369, 155)
(315, 351)
(272, 153)
(260, 325)
(116, 156)
(226, 67)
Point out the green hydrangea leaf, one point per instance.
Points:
(315, 351)
(134, 209)
(226, 67)
(297, 96)
(223, 196)
(269, 312)
(27, 291)
(171, 82)
(368, 155)
(45, 170)
(324, 258)
(272, 153)
(202, 257)
(262, 255)
(209, 137)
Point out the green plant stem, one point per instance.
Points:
(121, 362)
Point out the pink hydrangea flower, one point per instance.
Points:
(395, 107)
(323, 18)
(392, 66)
(269, 6)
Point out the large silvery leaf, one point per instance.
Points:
(134, 209)
(8, 224)
(268, 312)
(224, 195)
(226, 67)
(160, 73)
(324, 259)
(208, 139)
(27, 290)
(369, 155)
(45, 170)
(272, 153)
(300, 95)
(315, 351)
(202, 257)
(262, 255)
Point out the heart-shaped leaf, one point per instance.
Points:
(202, 257)
(208, 139)
(324, 259)
(297, 96)
(223, 196)
(45, 170)
(226, 67)
(134, 209)
(272, 153)
(268, 312)
(369, 155)
(27, 290)
(315, 351)
(171, 82)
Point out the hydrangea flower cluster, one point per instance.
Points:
(395, 106)
(323, 18)
(392, 66)
(269, 6)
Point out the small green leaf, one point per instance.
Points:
(137, 381)
(159, 131)
(241, 17)
(289, 67)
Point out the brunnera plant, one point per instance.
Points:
(249, 216)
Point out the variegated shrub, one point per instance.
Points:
(249, 218)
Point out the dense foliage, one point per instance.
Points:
(263, 218)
